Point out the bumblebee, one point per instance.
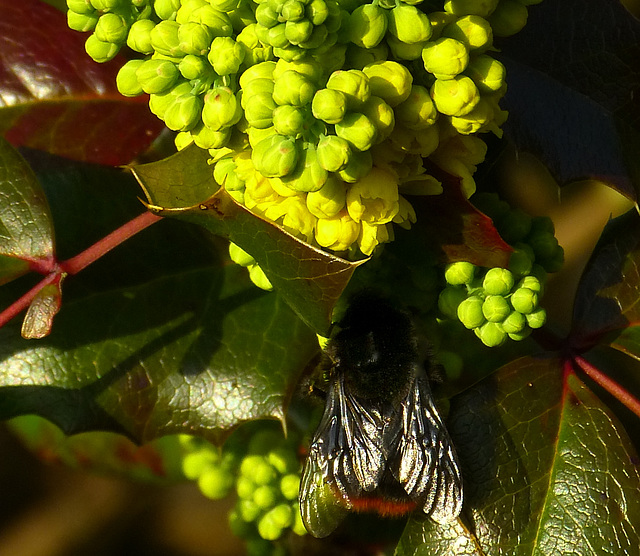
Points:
(381, 445)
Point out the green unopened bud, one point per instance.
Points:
(367, 25)
(532, 282)
(290, 486)
(194, 67)
(217, 21)
(82, 22)
(358, 130)
(455, 97)
(491, 334)
(215, 483)
(418, 111)
(519, 336)
(112, 27)
(127, 81)
(263, 70)
(475, 7)
(183, 113)
(80, 6)
(555, 262)
(487, 73)
(381, 115)
(105, 5)
(268, 528)
(353, 83)
(329, 200)
(139, 38)
(333, 153)
(508, 18)
(226, 55)
(359, 166)
(266, 15)
(248, 510)
(521, 260)
(308, 175)
(275, 156)
(445, 58)
(207, 138)
(320, 38)
(259, 110)
(472, 30)
(543, 243)
(265, 496)
(289, 120)
(403, 51)
(514, 226)
(157, 76)
(298, 32)
(491, 205)
(282, 514)
(329, 105)
(449, 300)
(469, 311)
(408, 24)
(166, 9)
(439, 20)
(477, 120)
(158, 103)
(495, 308)
(537, 318)
(187, 8)
(389, 80)
(292, 10)
(221, 109)
(497, 281)
(316, 11)
(514, 323)
(100, 51)
(164, 38)
(524, 300)
(458, 273)
(276, 36)
(293, 88)
(194, 38)
(225, 5)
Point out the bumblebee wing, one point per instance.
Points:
(346, 457)
(426, 464)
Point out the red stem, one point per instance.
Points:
(107, 243)
(80, 261)
(610, 385)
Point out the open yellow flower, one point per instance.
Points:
(374, 198)
(338, 232)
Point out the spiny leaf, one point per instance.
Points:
(55, 98)
(570, 97)
(309, 279)
(545, 466)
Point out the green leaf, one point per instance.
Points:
(546, 466)
(309, 279)
(163, 335)
(26, 229)
(607, 297)
(103, 452)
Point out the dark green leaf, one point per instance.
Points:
(546, 467)
(309, 279)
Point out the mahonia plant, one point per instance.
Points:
(318, 114)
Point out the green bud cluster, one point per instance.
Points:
(304, 102)
(267, 488)
(501, 303)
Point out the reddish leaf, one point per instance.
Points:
(55, 98)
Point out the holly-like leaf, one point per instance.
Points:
(161, 336)
(26, 230)
(607, 297)
(573, 73)
(309, 279)
(545, 465)
(55, 98)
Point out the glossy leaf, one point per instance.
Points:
(26, 229)
(55, 98)
(573, 73)
(159, 337)
(546, 467)
(607, 298)
(309, 279)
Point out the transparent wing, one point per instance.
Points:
(346, 458)
(426, 464)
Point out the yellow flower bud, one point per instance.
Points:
(293, 214)
(337, 233)
(374, 198)
(371, 235)
(406, 214)
(329, 200)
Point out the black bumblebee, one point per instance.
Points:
(381, 445)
